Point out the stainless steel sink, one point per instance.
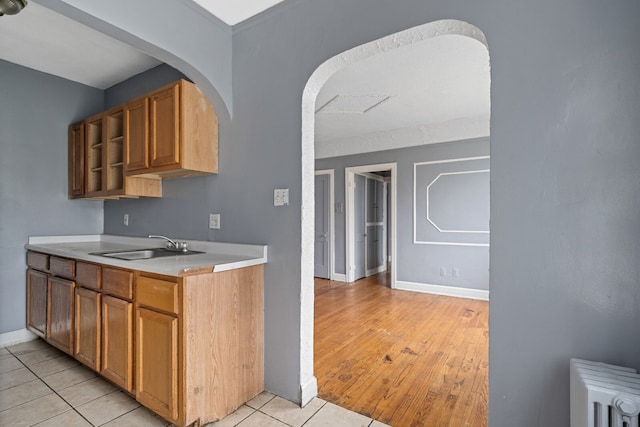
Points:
(139, 254)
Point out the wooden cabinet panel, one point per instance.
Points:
(117, 282)
(117, 341)
(165, 127)
(60, 314)
(114, 155)
(157, 362)
(87, 327)
(157, 293)
(136, 130)
(88, 275)
(76, 160)
(38, 261)
(62, 267)
(94, 160)
(37, 285)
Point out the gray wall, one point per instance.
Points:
(140, 84)
(416, 262)
(35, 110)
(565, 183)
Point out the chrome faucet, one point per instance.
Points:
(172, 245)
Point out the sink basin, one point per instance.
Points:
(139, 254)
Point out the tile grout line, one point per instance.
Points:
(50, 388)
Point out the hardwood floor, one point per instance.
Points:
(402, 358)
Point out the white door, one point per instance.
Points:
(321, 244)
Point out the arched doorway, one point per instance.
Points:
(317, 80)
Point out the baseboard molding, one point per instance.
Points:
(450, 291)
(339, 277)
(308, 391)
(16, 337)
(377, 270)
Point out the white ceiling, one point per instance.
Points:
(430, 91)
(236, 11)
(440, 80)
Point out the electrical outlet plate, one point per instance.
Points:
(281, 197)
(214, 221)
(125, 219)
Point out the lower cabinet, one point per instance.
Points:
(88, 327)
(157, 362)
(190, 348)
(117, 341)
(60, 313)
(37, 286)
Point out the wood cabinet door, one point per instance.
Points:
(88, 326)
(76, 160)
(60, 314)
(117, 341)
(157, 362)
(136, 135)
(37, 285)
(164, 107)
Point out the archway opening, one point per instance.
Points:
(456, 131)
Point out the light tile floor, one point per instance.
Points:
(41, 386)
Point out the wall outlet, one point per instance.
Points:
(125, 220)
(443, 271)
(455, 272)
(281, 197)
(214, 221)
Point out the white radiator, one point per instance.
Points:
(604, 395)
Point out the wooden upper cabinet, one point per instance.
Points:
(170, 132)
(94, 160)
(76, 160)
(164, 125)
(136, 130)
(182, 134)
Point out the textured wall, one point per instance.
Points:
(35, 110)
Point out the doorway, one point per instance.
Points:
(324, 229)
(370, 221)
(318, 79)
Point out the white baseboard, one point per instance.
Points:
(376, 270)
(339, 277)
(16, 337)
(308, 391)
(450, 291)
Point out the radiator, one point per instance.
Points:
(604, 395)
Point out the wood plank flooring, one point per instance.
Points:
(402, 358)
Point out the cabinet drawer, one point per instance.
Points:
(37, 260)
(117, 282)
(62, 267)
(157, 293)
(88, 275)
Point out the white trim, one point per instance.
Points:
(332, 216)
(349, 174)
(459, 159)
(378, 269)
(441, 230)
(308, 391)
(449, 291)
(338, 277)
(316, 81)
(16, 337)
(481, 245)
(415, 201)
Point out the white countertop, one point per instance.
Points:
(216, 256)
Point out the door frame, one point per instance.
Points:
(349, 187)
(332, 230)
